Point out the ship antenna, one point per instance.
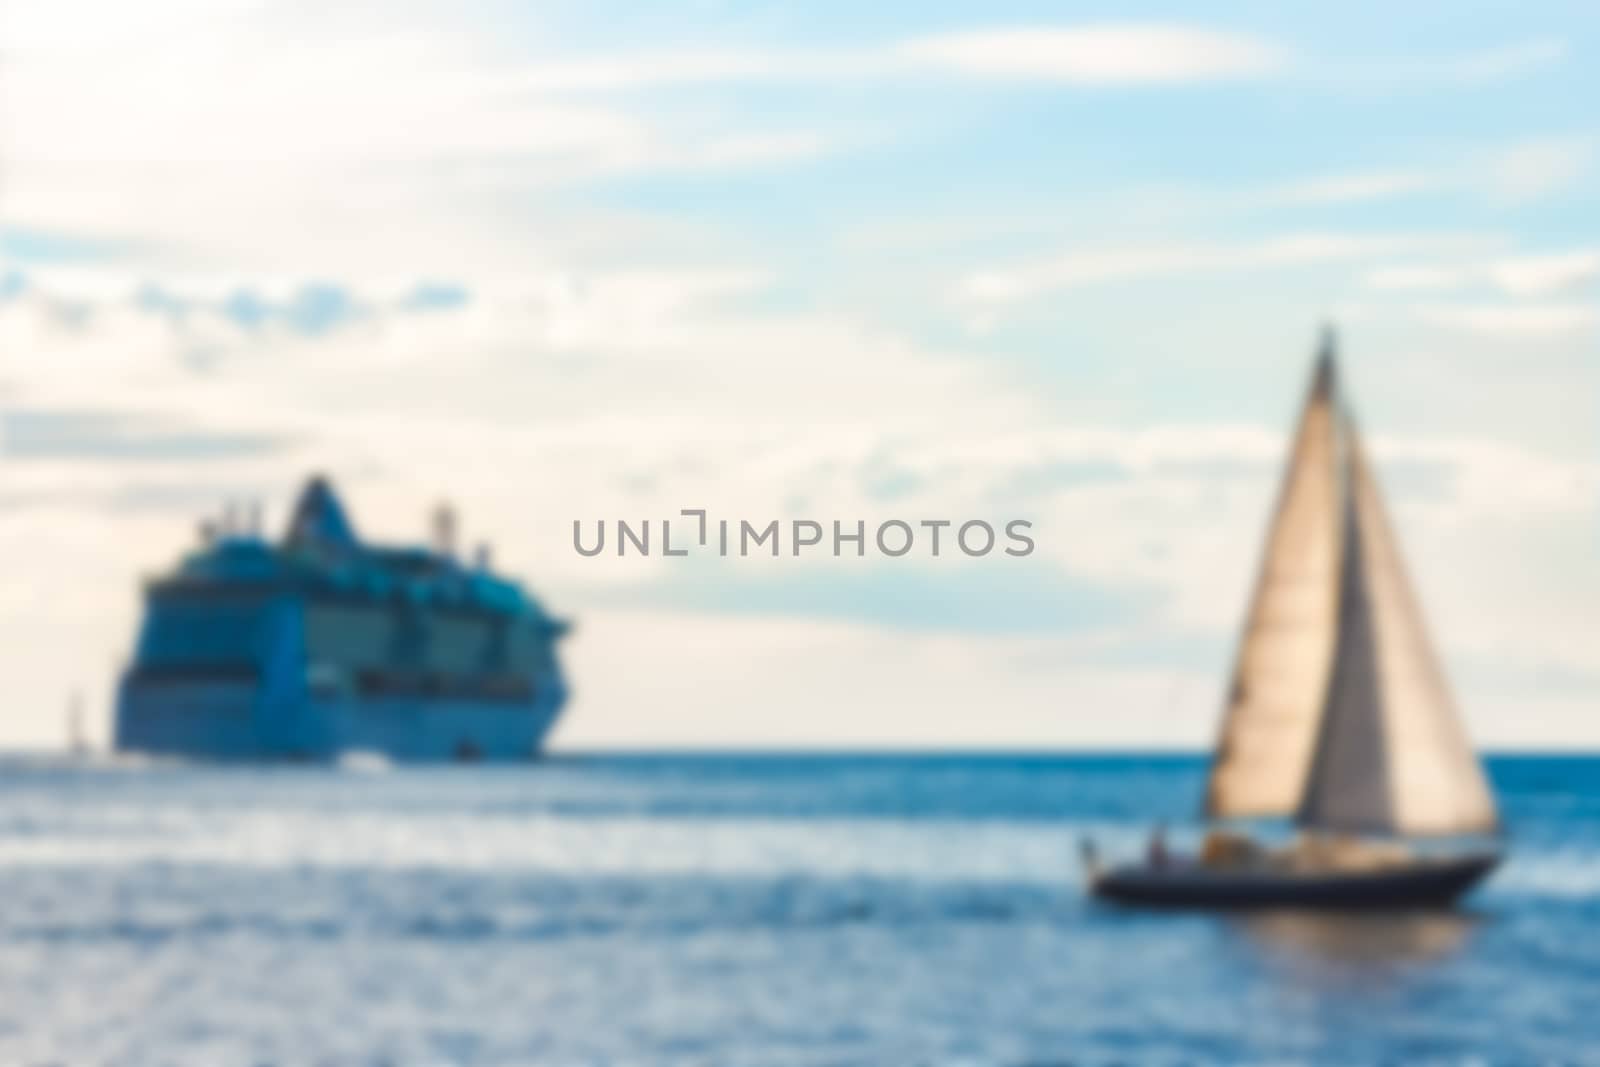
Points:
(444, 530)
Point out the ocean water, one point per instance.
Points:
(724, 910)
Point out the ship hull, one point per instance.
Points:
(233, 722)
(1420, 883)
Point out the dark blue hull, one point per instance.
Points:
(234, 721)
(1421, 883)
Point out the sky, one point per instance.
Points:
(1064, 263)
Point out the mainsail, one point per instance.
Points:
(1392, 756)
(1339, 713)
(1275, 701)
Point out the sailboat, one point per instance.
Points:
(1339, 715)
(77, 740)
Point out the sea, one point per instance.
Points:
(741, 910)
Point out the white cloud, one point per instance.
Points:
(1416, 276)
(232, 140)
(1347, 188)
(1506, 174)
(1539, 275)
(1517, 276)
(1516, 321)
(1129, 54)
(217, 93)
(224, 136)
(1538, 168)
(1516, 173)
(1086, 54)
(1090, 54)
(1127, 262)
(654, 69)
(1506, 61)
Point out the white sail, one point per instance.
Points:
(1275, 700)
(1392, 756)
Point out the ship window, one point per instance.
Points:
(497, 650)
(410, 644)
(200, 633)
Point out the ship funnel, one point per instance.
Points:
(319, 518)
(483, 558)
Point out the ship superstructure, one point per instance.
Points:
(321, 645)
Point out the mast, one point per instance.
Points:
(1280, 673)
(77, 740)
(1392, 755)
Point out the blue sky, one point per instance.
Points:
(856, 261)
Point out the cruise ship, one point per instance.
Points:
(321, 646)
